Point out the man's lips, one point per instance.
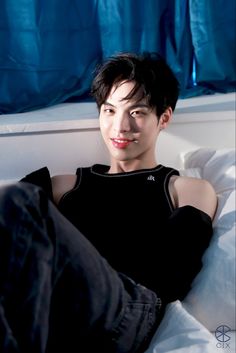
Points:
(121, 142)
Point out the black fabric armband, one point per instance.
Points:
(188, 235)
(41, 178)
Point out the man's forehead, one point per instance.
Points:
(122, 86)
(122, 91)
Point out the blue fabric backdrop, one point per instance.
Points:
(213, 30)
(50, 48)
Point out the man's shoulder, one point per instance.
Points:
(61, 184)
(195, 192)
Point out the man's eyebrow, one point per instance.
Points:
(107, 103)
(133, 106)
(139, 105)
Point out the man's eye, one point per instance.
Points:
(108, 110)
(137, 113)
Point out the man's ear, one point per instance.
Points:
(165, 118)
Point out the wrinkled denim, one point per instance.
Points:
(57, 293)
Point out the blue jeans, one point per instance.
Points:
(57, 293)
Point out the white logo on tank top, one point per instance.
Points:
(151, 177)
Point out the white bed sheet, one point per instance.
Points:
(180, 332)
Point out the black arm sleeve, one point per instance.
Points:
(41, 178)
(188, 236)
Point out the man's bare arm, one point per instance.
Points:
(195, 192)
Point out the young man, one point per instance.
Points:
(93, 270)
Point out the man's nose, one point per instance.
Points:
(122, 122)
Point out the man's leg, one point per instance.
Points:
(56, 290)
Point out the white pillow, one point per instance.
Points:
(212, 297)
(216, 166)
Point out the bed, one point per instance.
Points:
(200, 142)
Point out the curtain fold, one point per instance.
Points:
(49, 49)
(155, 26)
(213, 29)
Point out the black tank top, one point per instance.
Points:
(124, 216)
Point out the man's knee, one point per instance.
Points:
(18, 190)
(24, 215)
(20, 195)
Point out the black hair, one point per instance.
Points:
(153, 78)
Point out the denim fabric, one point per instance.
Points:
(138, 319)
(57, 293)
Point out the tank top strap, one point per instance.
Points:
(83, 170)
(82, 173)
(164, 173)
(169, 172)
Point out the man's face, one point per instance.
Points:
(129, 128)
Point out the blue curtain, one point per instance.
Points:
(213, 29)
(50, 48)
